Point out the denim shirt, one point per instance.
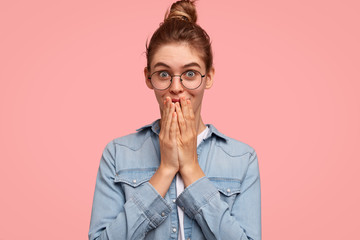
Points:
(225, 204)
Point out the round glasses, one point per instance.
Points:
(190, 79)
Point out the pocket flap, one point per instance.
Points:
(227, 186)
(134, 177)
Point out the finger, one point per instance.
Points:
(181, 120)
(191, 112)
(169, 120)
(184, 108)
(177, 129)
(173, 126)
(165, 114)
(167, 106)
(189, 118)
(163, 117)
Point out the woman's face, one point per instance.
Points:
(176, 59)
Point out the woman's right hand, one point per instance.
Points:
(167, 137)
(169, 164)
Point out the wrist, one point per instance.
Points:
(191, 173)
(167, 171)
(162, 179)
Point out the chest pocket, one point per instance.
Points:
(228, 188)
(130, 179)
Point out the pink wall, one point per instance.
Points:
(287, 83)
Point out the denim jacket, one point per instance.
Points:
(225, 204)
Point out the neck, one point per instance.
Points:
(200, 126)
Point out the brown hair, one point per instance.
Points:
(180, 26)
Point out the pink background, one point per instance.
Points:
(287, 83)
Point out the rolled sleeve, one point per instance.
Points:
(114, 217)
(150, 202)
(195, 196)
(202, 202)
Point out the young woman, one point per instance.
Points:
(177, 178)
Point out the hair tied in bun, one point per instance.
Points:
(183, 10)
(184, 18)
(179, 26)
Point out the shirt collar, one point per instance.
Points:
(156, 129)
(213, 130)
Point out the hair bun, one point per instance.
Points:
(184, 10)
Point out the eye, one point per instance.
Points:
(190, 74)
(164, 74)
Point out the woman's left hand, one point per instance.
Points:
(187, 143)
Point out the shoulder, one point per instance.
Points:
(235, 147)
(131, 151)
(132, 141)
(127, 145)
(230, 158)
(231, 146)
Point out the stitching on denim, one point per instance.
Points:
(150, 172)
(161, 199)
(139, 204)
(223, 179)
(123, 180)
(110, 153)
(247, 168)
(207, 202)
(114, 149)
(197, 203)
(131, 147)
(237, 155)
(223, 189)
(147, 213)
(148, 169)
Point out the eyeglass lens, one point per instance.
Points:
(190, 79)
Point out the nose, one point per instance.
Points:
(176, 87)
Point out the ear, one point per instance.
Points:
(209, 78)
(147, 80)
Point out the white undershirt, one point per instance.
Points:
(180, 188)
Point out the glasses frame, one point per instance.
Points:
(171, 79)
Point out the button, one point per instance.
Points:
(228, 190)
(174, 200)
(134, 181)
(183, 208)
(162, 214)
(188, 239)
(174, 230)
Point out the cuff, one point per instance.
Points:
(196, 195)
(153, 205)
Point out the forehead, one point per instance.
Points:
(177, 55)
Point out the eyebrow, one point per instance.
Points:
(192, 64)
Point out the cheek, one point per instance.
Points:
(158, 94)
(197, 96)
(160, 98)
